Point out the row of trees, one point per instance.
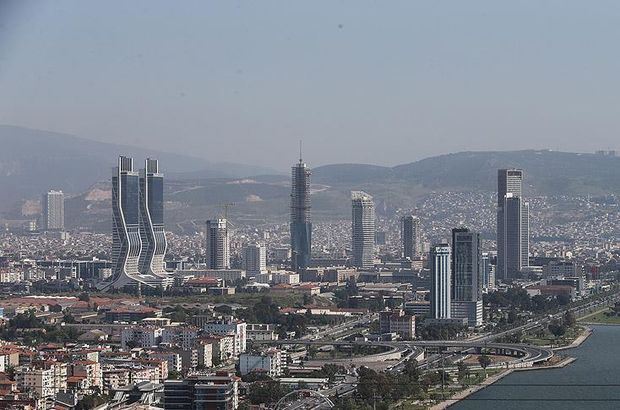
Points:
(31, 330)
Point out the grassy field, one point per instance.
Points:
(543, 337)
(601, 317)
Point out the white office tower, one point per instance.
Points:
(441, 278)
(512, 224)
(255, 259)
(217, 244)
(53, 211)
(485, 271)
(411, 236)
(363, 230)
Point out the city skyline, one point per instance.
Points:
(451, 226)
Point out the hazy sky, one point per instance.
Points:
(382, 82)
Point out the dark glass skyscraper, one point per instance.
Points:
(466, 271)
(126, 242)
(301, 227)
(138, 238)
(411, 236)
(512, 224)
(152, 231)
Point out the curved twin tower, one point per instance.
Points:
(138, 237)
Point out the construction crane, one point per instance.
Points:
(225, 207)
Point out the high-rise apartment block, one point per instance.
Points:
(441, 278)
(466, 276)
(512, 224)
(53, 211)
(138, 238)
(217, 244)
(411, 236)
(363, 229)
(466, 271)
(255, 259)
(301, 226)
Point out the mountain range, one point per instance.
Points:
(33, 161)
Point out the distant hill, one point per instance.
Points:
(546, 172)
(194, 191)
(33, 161)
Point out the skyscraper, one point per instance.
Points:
(485, 268)
(255, 259)
(152, 232)
(411, 236)
(466, 271)
(217, 246)
(441, 278)
(138, 238)
(53, 211)
(466, 276)
(512, 224)
(301, 227)
(126, 242)
(363, 229)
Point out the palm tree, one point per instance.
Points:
(484, 361)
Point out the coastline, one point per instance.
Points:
(587, 331)
(471, 390)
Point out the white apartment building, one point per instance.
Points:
(44, 381)
(269, 363)
(261, 332)
(141, 336)
(226, 327)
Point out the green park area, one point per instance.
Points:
(605, 317)
(544, 337)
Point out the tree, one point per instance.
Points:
(569, 319)
(485, 361)
(557, 328)
(266, 392)
(463, 370)
(173, 375)
(312, 351)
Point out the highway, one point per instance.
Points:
(524, 354)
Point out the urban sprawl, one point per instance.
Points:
(375, 312)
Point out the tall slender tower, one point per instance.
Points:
(301, 227)
(53, 211)
(512, 224)
(363, 229)
(411, 236)
(152, 231)
(466, 270)
(126, 242)
(441, 277)
(217, 244)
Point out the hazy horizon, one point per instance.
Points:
(359, 82)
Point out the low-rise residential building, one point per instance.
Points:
(261, 332)
(141, 336)
(230, 326)
(397, 321)
(268, 362)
